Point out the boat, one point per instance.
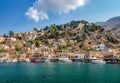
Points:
(54, 60)
(118, 62)
(98, 61)
(35, 60)
(8, 60)
(1, 61)
(65, 60)
(14, 60)
(27, 60)
(46, 60)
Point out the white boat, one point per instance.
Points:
(46, 60)
(27, 60)
(98, 61)
(65, 60)
(1, 60)
(8, 60)
(14, 60)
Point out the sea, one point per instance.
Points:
(58, 72)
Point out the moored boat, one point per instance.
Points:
(14, 60)
(27, 60)
(65, 60)
(98, 61)
(35, 60)
(46, 59)
(8, 60)
(1, 60)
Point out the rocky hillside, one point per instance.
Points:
(81, 33)
(111, 23)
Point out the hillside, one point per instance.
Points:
(71, 36)
(81, 33)
(111, 23)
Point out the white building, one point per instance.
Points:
(11, 39)
(4, 46)
(4, 56)
(78, 56)
(100, 47)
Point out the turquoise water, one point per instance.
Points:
(59, 73)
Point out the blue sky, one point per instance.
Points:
(24, 15)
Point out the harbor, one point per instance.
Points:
(60, 41)
(46, 55)
(63, 60)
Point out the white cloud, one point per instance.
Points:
(35, 14)
(40, 8)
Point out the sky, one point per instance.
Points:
(24, 15)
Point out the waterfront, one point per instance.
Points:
(59, 72)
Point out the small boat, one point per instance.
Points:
(119, 62)
(14, 60)
(98, 61)
(35, 60)
(46, 60)
(27, 60)
(1, 60)
(8, 60)
(65, 60)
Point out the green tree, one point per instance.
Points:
(112, 40)
(45, 41)
(35, 29)
(37, 43)
(19, 37)
(4, 35)
(46, 28)
(60, 47)
(17, 48)
(11, 33)
(2, 50)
